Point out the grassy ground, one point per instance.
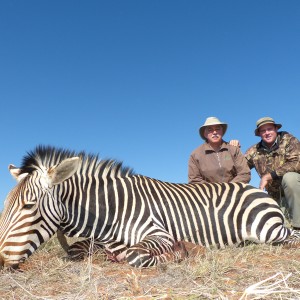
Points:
(252, 272)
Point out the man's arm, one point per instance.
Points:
(292, 159)
(265, 180)
(241, 166)
(194, 175)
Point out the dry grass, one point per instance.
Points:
(252, 272)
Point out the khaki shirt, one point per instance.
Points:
(281, 158)
(226, 165)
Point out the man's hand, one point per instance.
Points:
(235, 143)
(265, 180)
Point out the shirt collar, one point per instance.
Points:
(209, 148)
(273, 147)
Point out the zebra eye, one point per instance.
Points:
(28, 206)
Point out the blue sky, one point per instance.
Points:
(134, 80)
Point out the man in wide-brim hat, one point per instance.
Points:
(264, 121)
(277, 162)
(216, 160)
(211, 121)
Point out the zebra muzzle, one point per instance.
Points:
(9, 267)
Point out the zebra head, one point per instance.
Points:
(32, 210)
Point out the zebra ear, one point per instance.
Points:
(64, 170)
(15, 172)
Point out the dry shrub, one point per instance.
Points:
(251, 272)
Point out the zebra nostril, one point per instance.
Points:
(13, 267)
(1, 262)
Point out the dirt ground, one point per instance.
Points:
(252, 272)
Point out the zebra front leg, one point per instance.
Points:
(81, 249)
(78, 250)
(115, 251)
(154, 250)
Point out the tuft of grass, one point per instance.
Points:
(251, 272)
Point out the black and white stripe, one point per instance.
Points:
(131, 216)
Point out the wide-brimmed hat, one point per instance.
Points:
(209, 122)
(263, 121)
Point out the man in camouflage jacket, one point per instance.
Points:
(276, 158)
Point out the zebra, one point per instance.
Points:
(132, 217)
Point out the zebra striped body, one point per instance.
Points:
(131, 216)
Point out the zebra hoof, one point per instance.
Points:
(194, 249)
(180, 251)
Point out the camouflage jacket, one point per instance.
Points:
(283, 157)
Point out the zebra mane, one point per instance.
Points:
(46, 156)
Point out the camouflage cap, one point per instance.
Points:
(263, 121)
